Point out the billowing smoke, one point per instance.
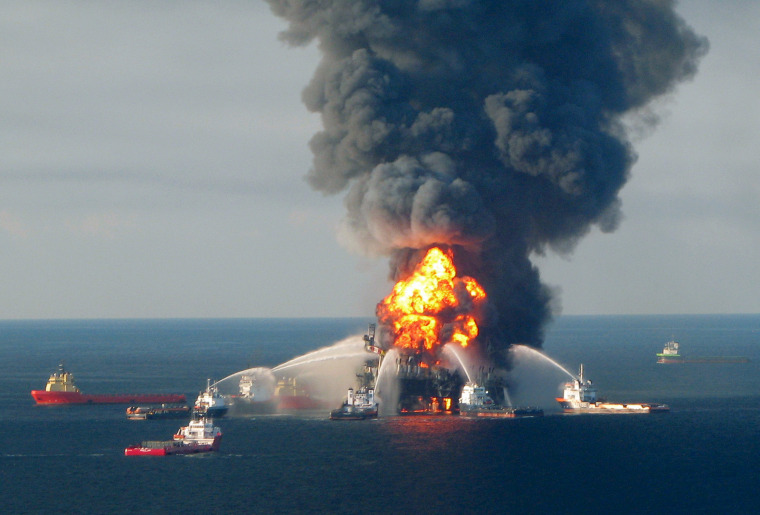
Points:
(490, 127)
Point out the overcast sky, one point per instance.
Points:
(153, 154)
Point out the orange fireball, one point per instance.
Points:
(431, 305)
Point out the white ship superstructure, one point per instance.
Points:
(579, 396)
(210, 403)
(474, 401)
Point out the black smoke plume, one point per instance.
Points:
(491, 127)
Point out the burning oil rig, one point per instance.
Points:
(426, 310)
(423, 385)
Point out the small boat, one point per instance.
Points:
(358, 405)
(210, 403)
(671, 355)
(579, 396)
(199, 436)
(475, 402)
(61, 389)
(160, 412)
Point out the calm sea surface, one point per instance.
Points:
(702, 457)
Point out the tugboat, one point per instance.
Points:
(579, 396)
(200, 435)
(60, 389)
(475, 402)
(209, 403)
(152, 412)
(670, 355)
(358, 405)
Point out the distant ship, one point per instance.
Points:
(200, 435)
(60, 389)
(210, 403)
(475, 402)
(671, 355)
(253, 398)
(291, 396)
(359, 405)
(154, 412)
(579, 396)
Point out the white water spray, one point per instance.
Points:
(451, 347)
(386, 386)
(320, 359)
(348, 348)
(526, 351)
(255, 371)
(507, 398)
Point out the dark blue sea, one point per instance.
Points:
(702, 457)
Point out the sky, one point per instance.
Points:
(153, 159)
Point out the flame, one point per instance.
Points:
(431, 302)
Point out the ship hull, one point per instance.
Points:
(241, 406)
(53, 398)
(212, 412)
(606, 407)
(157, 413)
(342, 414)
(502, 412)
(298, 402)
(171, 447)
(705, 359)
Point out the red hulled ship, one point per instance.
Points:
(292, 396)
(200, 435)
(60, 389)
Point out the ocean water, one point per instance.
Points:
(702, 457)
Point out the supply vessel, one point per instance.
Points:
(475, 402)
(157, 412)
(60, 389)
(210, 403)
(670, 355)
(200, 435)
(579, 396)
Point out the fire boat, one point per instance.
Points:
(360, 404)
(579, 396)
(475, 402)
(254, 398)
(210, 403)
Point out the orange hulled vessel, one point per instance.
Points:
(60, 389)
